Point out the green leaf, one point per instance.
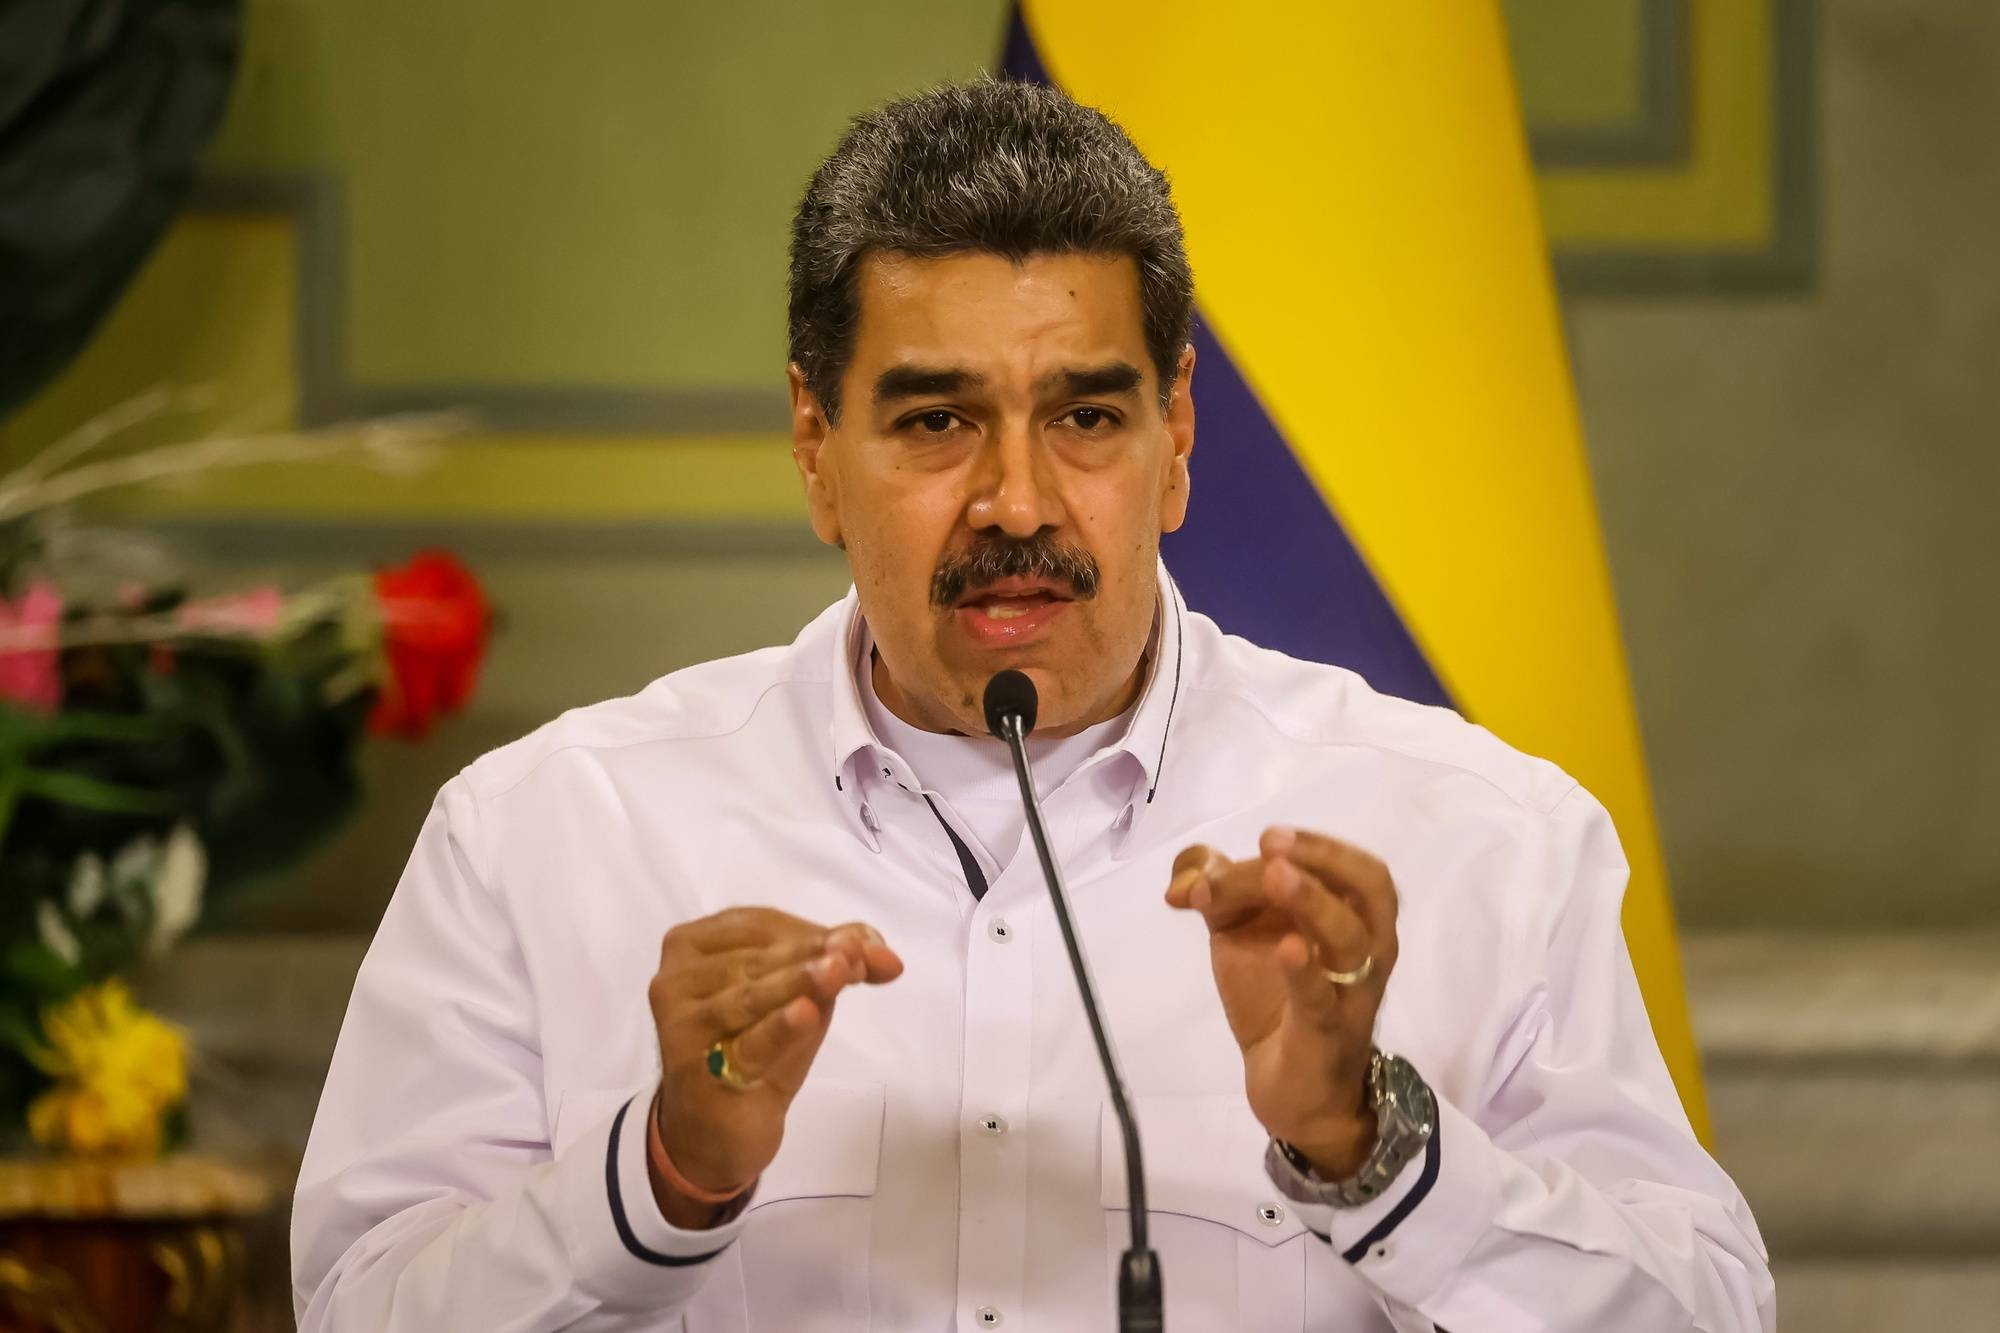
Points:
(134, 728)
(20, 1082)
(91, 794)
(20, 1030)
(174, 1127)
(11, 771)
(31, 965)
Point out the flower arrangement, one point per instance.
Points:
(118, 1074)
(164, 745)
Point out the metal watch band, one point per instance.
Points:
(1405, 1117)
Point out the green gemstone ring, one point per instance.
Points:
(723, 1071)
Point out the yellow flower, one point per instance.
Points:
(118, 1071)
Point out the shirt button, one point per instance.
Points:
(993, 1124)
(987, 1316)
(1271, 1215)
(873, 824)
(999, 931)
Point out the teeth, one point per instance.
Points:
(1001, 611)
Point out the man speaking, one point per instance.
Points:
(740, 1004)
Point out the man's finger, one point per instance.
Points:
(704, 974)
(862, 942)
(742, 1007)
(1339, 939)
(1190, 867)
(1351, 873)
(739, 928)
(1319, 1000)
(1226, 893)
(784, 1036)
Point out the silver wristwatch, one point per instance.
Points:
(1405, 1116)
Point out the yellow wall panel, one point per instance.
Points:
(1722, 197)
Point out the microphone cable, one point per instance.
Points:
(1010, 705)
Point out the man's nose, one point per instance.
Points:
(1017, 492)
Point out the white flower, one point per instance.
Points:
(86, 885)
(177, 886)
(132, 871)
(56, 934)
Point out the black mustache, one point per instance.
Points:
(1036, 558)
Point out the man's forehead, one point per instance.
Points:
(979, 286)
(986, 313)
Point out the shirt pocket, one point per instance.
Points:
(802, 1261)
(804, 1255)
(1232, 1255)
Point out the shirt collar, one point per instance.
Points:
(859, 756)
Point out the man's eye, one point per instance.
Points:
(934, 423)
(1091, 418)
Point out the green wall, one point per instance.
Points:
(585, 194)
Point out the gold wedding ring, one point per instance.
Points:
(1354, 978)
(726, 1073)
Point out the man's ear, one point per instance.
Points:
(1180, 434)
(810, 431)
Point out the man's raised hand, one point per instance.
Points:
(1278, 924)
(762, 983)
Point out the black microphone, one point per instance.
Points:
(1010, 715)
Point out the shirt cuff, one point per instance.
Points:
(1408, 1243)
(622, 1250)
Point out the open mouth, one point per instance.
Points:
(1010, 598)
(1009, 606)
(1011, 609)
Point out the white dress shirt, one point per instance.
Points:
(971, 778)
(478, 1157)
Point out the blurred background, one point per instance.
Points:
(1771, 226)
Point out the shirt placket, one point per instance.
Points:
(993, 1110)
(1001, 983)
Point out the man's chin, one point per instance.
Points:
(970, 679)
(1057, 707)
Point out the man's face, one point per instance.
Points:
(1001, 441)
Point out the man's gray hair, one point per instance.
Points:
(1014, 169)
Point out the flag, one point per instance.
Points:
(1381, 379)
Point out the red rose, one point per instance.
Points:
(435, 622)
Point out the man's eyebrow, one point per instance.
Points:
(1097, 381)
(922, 382)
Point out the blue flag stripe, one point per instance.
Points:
(1263, 556)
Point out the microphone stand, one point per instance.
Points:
(1139, 1299)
